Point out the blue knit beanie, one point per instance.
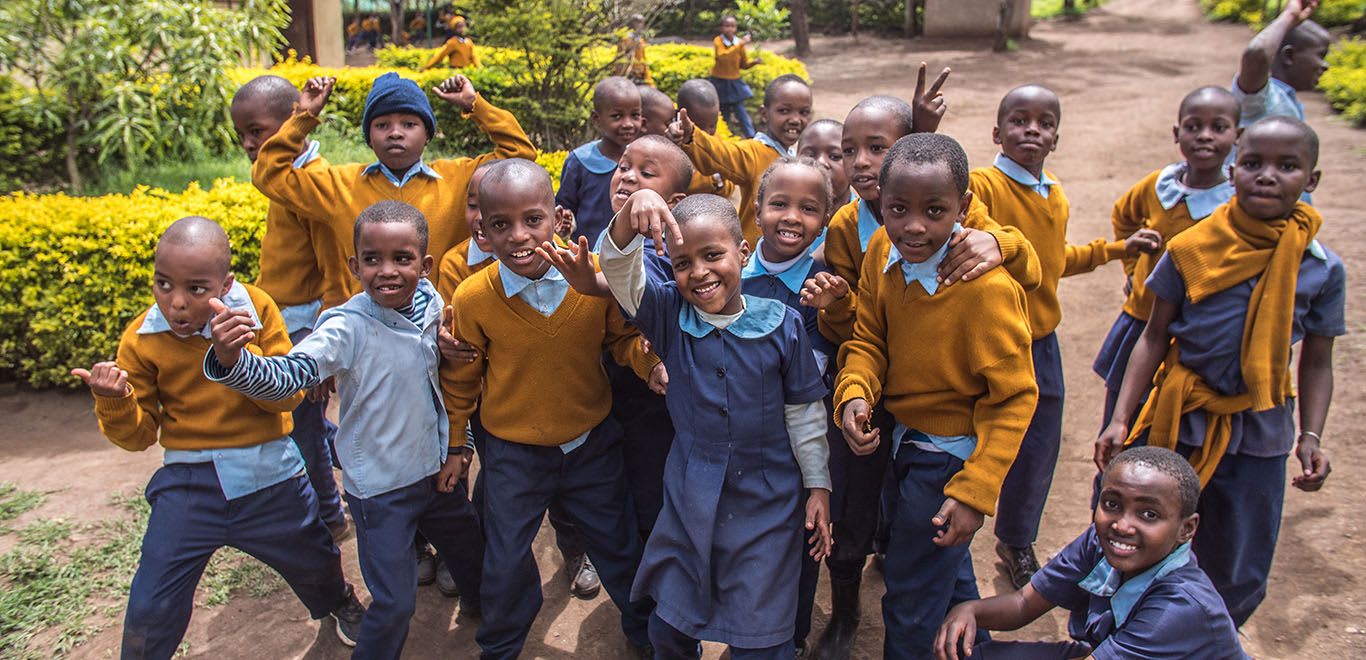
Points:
(390, 93)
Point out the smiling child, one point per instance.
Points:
(587, 174)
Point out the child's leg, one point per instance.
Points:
(567, 537)
(189, 521)
(385, 527)
(1031, 475)
(593, 490)
(519, 482)
(644, 420)
(784, 651)
(742, 125)
(1240, 520)
(279, 525)
(313, 434)
(671, 644)
(450, 523)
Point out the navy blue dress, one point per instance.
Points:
(585, 189)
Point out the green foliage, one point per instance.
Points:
(1344, 83)
(30, 147)
(1258, 13)
(15, 502)
(1040, 9)
(762, 18)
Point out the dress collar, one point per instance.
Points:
(768, 140)
(591, 156)
(236, 298)
(792, 273)
(514, 284)
(759, 317)
(925, 272)
(867, 224)
(1200, 202)
(1105, 581)
(1022, 176)
(310, 154)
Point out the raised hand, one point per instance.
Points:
(959, 520)
(104, 379)
(823, 290)
(458, 91)
(972, 253)
(928, 106)
(659, 380)
(564, 222)
(650, 216)
(1143, 240)
(575, 263)
(231, 330)
(818, 523)
(858, 430)
(1300, 10)
(680, 129)
(1109, 443)
(452, 349)
(313, 97)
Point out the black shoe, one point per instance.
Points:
(837, 640)
(348, 618)
(583, 578)
(642, 651)
(426, 566)
(445, 582)
(1020, 563)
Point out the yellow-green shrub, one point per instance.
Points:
(1329, 13)
(1344, 83)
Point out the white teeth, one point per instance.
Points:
(706, 289)
(1123, 547)
(520, 254)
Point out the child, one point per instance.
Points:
(297, 278)
(402, 471)
(543, 400)
(588, 169)
(1130, 582)
(631, 51)
(1019, 192)
(459, 49)
(1287, 56)
(821, 142)
(397, 123)
(231, 475)
(1166, 203)
(656, 111)
(732, 92)
(722, 563)
(960, 403)
(1233, 294)
(698, 97)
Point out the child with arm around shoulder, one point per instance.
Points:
(1131, 582)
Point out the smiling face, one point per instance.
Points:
(707, 265)
(617, 119)
(868, 133)
(1138, 517)
(398, 139)
(821, 142)
(1027, 126)
(1301, 66)
(254, 123)
(184, 278)
(920, 204)
(644, 165)
(792, 211)
(1207, 130)
(472, 214)
(518, 216)
(729, 26)
(389, 261)
(787, 112)
(1274, 167)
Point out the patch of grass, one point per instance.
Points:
(15, 502)
(1041, 9)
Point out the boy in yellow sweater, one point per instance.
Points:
(230, 469)
(397, 123)
(1019, 192)
(960, 406)
(458, 50)
(543, 399)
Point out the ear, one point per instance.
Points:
(964, 203)
(674, 199)
(1188, 527)
(763, 113)
(1313, 181)
(227, 281)
(1286, 54)
(1176, 133)
(744, 252)
(353, 265)
(427, 262)
(995, 134)
(1056, 139)
(593, 115)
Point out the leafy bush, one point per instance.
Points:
(1345, 81)
(763, 18)
(29, 146)
(1257, 13)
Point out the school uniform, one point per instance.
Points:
(961, 405)
(1162, 203)
(458, 52)
(1240, 447)
(742, 162)
(335, 195)
(231, 476)
(722, 563)
(586, 189)
(1037, 206)
(544, 399)
(732, 92)
(1275, 99)
(391, 442)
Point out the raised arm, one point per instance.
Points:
(734, 160)
(1148, 354)
(1255, 69)
(312, 192)
(446, 50)
(509, 140)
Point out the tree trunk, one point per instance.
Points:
(73, 172)
(395, 21)
(801, 31)
(908, 21)
(853, 18)
(1003, 26)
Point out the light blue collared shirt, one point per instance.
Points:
(1200, 202)
(474, 255)
(792, 273)
(1105, 581)
(1022, 176)
(925, 272)
(543, 294)
(768, 140)
(867, 224)
(241, 470)
(418, 168)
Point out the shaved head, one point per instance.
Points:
(517, 174)
(694, 208)
(892, 105)
(612, 90)
(698, 93)
(1212, 96)
(197, 232)
(671, 156)
(273, 94)
(1280, 125)
(1031, 93)
(1307, 35)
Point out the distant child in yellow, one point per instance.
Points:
(459, 49)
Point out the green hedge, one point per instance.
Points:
(1345, 81)
(1329, 13)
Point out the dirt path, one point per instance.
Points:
(1120, 71)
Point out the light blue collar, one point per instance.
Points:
(1106, 581)
(418, 168)
(1200, 202)
(729, 41)
(768, 140)
(474, 255)
(792, 272)
(236, 298)
(867, 224)
(364, 305)
(925, 272)
(760, 317)
(591, 156)
(309, 154)
(513, 283)
(1316, 248)
(1023, 177)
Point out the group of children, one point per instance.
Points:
(711, 401)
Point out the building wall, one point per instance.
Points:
(973, 18)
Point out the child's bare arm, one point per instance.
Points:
(1255, 68)
(1147, 355)
(1010, 611)
(1316, 393)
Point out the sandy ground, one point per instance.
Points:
(1120, 71)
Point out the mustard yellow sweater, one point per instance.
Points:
(729, 59)
(955, 363)
(1137, 209)
(296, 267)
(455, 268)
(172, 401)
(542, 382)
(1044, 223)
(336, 195)
(458, 54)
(741, 162)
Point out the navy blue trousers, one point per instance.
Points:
(313, 434)
(737, 118)
(520, 483)
(995, 650)
(385, 527)
(1026, 486)
(923, 579)
(191, 519)
(647, 435)
(671, 644)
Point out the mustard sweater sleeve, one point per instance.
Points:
(836, 323)
(460, 383)
(132, 421)
(1017, 253)
(445, 52)
(509, 140)
(623, 340)
(729, 158)
(1127, 217)
(863, 359)
(272, 339)
(1086, 258)
(311, 192)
